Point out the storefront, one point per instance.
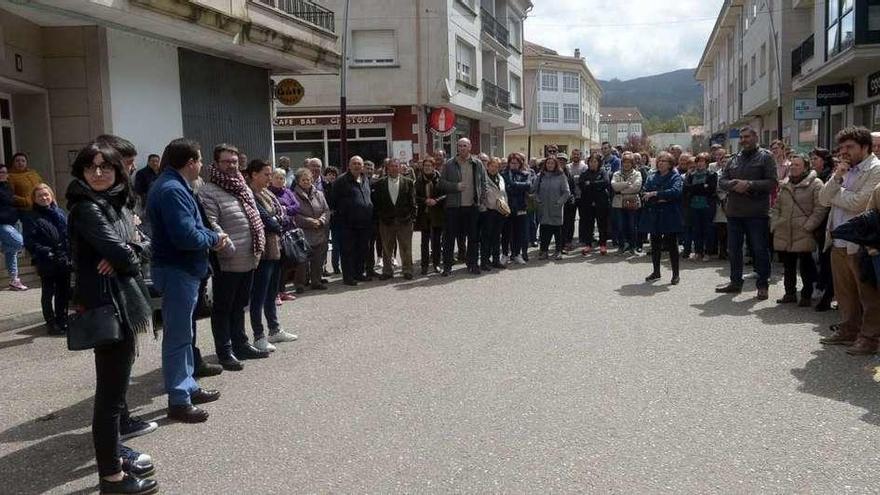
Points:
(316, 135)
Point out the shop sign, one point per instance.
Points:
(806, 109)
(874, 85)
(330, 120)
(442, 121)
(834, 94)
(289, 91)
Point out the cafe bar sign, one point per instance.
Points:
(331, 120)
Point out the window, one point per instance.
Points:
(763, 59)
(374, 47)
(635, 129)
(549, 112)
(515, 90)
(465, 56)
(754, 71)
(515, 38)
(570, 82)
(549, 81)
(840, 33)
(622, 133)
(571, 113)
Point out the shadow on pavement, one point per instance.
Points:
(29, 334)
(60, 453)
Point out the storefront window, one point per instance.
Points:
(808, 134)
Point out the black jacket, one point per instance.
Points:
(45, 237)
(352, 202)
(862, 229)
(94, 224)
(388, 213)
(429, 217)
(8, 212)
(706, 189)
(595, 188)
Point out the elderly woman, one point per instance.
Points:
(518, 180)
(430, 216)
(45, 237)
(551, 192)
(291, 207)
(699, 191)
(314, 219)
(497, 209)
(626, 184)
(266, 279)
(662, 215)
(107, 256)
(794, 219)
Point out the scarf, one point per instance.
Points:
(236, 186)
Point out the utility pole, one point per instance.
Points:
(776, 40)
(343, 111)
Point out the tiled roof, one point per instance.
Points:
(534, 49)
(620, 114)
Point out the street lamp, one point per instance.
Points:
(776, 50)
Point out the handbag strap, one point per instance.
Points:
(793, 198)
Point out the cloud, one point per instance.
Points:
(625, 39)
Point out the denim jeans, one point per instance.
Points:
(180, 293)
(701, 228)
(519, 235)
(626, 221)
(11, 241)
(757, 230)
(263, 294)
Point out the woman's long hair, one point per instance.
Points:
(87, 155)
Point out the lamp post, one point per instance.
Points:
(343, 110)
(776, 49)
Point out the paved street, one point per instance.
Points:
(561, 377)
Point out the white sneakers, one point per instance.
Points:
(263, 344)
(519, 260)
(282, 336)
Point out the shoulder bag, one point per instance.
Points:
(294, 246)
(95, 327)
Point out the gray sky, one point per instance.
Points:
(625, 38)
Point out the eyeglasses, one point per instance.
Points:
(230, 162)
(105, 168)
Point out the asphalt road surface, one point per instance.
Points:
(570, 376)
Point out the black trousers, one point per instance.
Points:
(490, 243)
(232, 292)
(551, 232)
(668, 243)
(432, 246)
(355, 251)
(462, 220)
(790, 263)
(197, 354)
(112, 372)
(569, 211)
(598, 216)
(506, 233)
(55, 296)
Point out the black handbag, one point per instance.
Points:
(294, 246)
(95, 327)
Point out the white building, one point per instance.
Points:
(618, 124)
(150, 71)
(840, 53)
(561, 103)
(405, 59)
(741, 65)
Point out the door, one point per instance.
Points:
(7, 134)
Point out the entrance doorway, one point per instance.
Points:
(7, 135)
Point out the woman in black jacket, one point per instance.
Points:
(596, 203)
(45, 237)
(699, 203)
(107, 252)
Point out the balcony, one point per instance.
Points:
(304, 11)
(496, 30)
(802, 54)
(495, 97)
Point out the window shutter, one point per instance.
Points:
(374, 47)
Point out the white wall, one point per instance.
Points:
(144, 92)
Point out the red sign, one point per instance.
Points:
(442, 121)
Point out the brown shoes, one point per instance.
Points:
(838, 338)
(862, 347)
(763, 294)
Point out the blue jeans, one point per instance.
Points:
(263, 294)
(758, 230)
(180, 293)
(701, 228)
(626, 222)
(519, 235)
(11, 242)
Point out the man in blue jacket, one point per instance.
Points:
(180, 262)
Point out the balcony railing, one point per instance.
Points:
(305, 10)
(802, 54)
(495, 96)
(493, 28)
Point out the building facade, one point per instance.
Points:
(838, 63)
(561, 104)
(463, 55)
(150, 71)
(620, 126)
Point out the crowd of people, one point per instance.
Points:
(252, 229)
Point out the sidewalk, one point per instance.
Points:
(20, 309)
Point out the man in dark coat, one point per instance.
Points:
(353, 209)
(395, 203)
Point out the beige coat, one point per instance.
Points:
(626, 187)
(797, 214)
(852, 201)
(494, 193)
(874, 202)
